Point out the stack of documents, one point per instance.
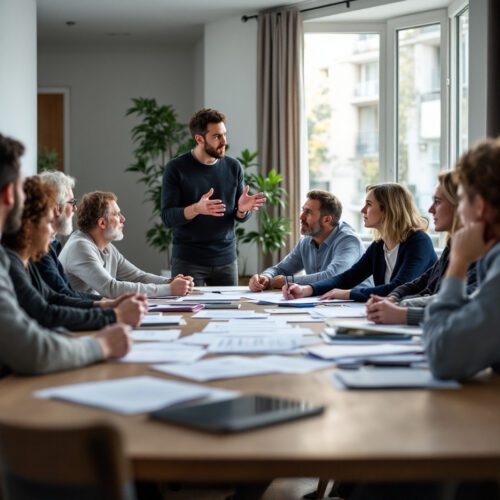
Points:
(368, 327)
(361, 352)
(175, 307)
(133, 394)
(390, 378)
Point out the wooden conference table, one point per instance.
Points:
(363, 435)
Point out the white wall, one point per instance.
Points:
(230, 62)
(101, 83)
(18, 76)
(199, 74)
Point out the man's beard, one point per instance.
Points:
(14, 218)
(113, 234)
(65, 225)
(307, 230)
(210, 151)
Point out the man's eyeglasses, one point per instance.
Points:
(73, 202)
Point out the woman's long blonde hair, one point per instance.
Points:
(448, 181)
(401, 216)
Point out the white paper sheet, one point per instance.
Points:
(225, 314)
(200, 338)
(362, 351)
(217, 368)
(155, 335)
(285, 310)
(175, 355)
(212, 297)
(127, 395)
(155, 320)
(340, 311)
(221, 289)
(255, 345)
(300, 318)
(250, 326)
(287, 364)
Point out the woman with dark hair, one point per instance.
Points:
(49, 308)
(406, 303)
(401, 252)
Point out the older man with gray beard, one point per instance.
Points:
(49, 266)
(94, 265)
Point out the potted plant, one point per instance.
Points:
(158, 137)
(273, 228)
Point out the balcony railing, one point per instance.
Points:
(367, 89)
(367, 143)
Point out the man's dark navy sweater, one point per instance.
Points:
(204, 240)
(415, 256)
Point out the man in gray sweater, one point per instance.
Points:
(461, 333)
(26, 347)
(94, 265)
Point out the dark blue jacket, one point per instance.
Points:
(54, 276)
(415, 255)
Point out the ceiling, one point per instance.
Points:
(175, 21)
(138, 21)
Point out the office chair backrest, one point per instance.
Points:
(85, 463)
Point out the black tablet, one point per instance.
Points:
(239, 414)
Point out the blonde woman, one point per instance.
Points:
(401, 251)
(419, 291)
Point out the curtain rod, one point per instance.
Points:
(244, 19)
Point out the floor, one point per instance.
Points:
(280, 489)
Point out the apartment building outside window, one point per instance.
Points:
(377, 106)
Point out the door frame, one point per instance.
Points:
(66, 117)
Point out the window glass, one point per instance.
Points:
(419, 111)
(342, 107)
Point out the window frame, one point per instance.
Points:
(455, 9)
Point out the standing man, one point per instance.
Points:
(203, 194)
(329, 246)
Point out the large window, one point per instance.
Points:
(377, 106)
(342, 108)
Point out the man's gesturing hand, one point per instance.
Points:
(206, 206)
(246, 203)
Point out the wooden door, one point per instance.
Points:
(51, 126)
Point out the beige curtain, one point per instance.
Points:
(279, 84)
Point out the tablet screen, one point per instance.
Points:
(242, 413)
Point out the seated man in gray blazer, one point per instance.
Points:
(328, 247)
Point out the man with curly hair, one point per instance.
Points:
(26, 347)
(94, 265)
